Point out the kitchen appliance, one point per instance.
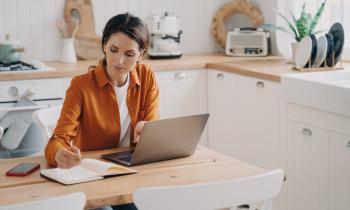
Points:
(9, 50)
(18, 66)
(10, 59)
(165, 37)
(44, 93)
(248, 42)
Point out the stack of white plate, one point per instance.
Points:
(325, 51)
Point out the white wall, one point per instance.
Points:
(266, 7)
(33, 21)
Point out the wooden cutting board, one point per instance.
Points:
(87, 43)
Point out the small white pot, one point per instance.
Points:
(294, 50)
(68, 51)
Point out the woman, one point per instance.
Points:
(108, 106)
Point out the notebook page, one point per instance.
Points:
(73, 175)
(104, 168)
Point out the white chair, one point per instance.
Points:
(46, 119)
(73, 201)
(213, 195)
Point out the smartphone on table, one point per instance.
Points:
(23, 169)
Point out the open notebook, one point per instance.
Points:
(88, 170)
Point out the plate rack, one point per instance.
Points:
(324, 67)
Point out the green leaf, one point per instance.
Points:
(274, 27)
(294, 20)
(317, 17)
(309, 18)
(303, 26)
(289, 24)
(303, 10)
(293, 16)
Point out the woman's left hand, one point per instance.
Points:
(137, 131)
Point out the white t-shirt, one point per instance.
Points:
(121, 93)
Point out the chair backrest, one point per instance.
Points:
(213, 195)
(46, 119)
(73, 201)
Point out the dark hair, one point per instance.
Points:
(130, 25)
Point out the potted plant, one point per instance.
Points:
(300, 27)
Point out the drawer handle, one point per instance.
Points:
(260, 84)
(306, 132)
(348, 144)
(220, 76)
(180, 75)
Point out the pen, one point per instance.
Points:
(71, 148)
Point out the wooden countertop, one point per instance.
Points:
(270, 68)
(204, 166)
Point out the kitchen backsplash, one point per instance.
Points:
(33, 22)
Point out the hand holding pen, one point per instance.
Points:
(68, 158)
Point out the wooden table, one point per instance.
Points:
(204, 166)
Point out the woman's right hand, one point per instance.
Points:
(68, 158)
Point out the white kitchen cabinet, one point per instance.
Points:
(308, 169)
(221, 106)
(248, 121)
(261, 127)
(339, 172)
(183, 93)
(319, 155)
(261, 122)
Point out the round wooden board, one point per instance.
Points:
(245, 7)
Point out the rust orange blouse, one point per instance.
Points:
(90, 113)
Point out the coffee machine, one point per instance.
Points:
(165, 37)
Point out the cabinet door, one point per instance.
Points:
(261, 127)
(183, 93)
(307, 174)
(339, 172)
(221, 106)
(261, 123)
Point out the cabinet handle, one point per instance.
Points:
(220, 76)
(348, 144)
(306, 132)
(180, 75)
(260, 84)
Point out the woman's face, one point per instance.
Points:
(122, 54)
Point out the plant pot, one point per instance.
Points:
(294, 49)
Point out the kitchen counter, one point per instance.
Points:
(270, 68)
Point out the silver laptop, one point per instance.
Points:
(163, 140)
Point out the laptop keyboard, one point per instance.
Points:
(125, 157)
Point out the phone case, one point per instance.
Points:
(12, 171)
